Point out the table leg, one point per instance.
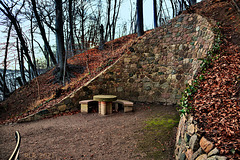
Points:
(103, 108)
(99, 107)
(109, 107)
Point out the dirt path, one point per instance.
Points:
(82, 136)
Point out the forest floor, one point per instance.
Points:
(219, 92)
(122, 136)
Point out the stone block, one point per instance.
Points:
(43, 112)
(37, 117)
(206, 145)
(142, 98)
(191, 129)
(187, 138)
(189, 154)
(165, 95)
(197, 153)
(127, 60)
(190, 119)
(62, 108)
(180, 130)
(213, 152)
(202, 157)
(221, 158)
(56, 112)
(212, 158)
(193, 144)
(66, 100)
(182, 156)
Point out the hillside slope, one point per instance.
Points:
(217, 101)
(41, 92)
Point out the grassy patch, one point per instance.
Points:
(158, 139)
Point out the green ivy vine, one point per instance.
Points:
(212, 55)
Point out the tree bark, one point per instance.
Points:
(101, 45)
(192, 2)
(3, 85)
(82, 15)
(115, 17)
(60, 37)
(6, 91)
(32, 39)
(155, 13)
(70, 11)
(140, 30)
(173, 8)
(21, 62)
(108, 26)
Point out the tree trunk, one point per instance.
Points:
(21, 62)
(108, 27)
(60, 37)
(115, 17)
(101, 45)
(82, 30)
(6, 91)
(43, 33)
(32, 39)
(155, 13)
(192, 2)
(160, 13)
(70, 11)
(140, 30)
(173, 8)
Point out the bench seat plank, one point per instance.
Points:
(127, 105)
(85, 105)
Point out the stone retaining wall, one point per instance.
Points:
(160, 65)
(192, 146)
(156, 70)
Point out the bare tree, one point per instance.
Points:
(43, 33)
(7, 11)
(116, 9)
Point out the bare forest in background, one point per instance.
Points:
(59, 29)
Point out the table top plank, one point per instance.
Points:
(105, 98)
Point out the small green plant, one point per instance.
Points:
(187, 94)
(213, 54)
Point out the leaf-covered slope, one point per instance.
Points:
(41, 93)
(217, 101)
